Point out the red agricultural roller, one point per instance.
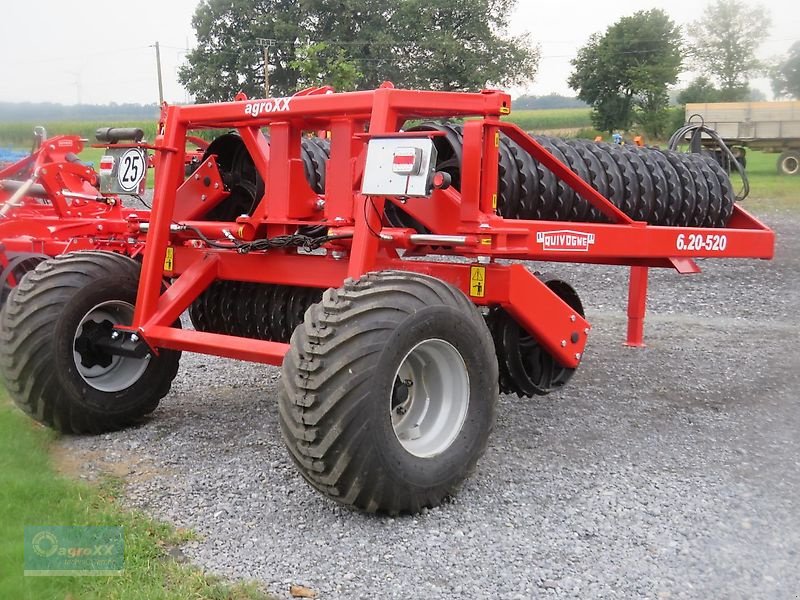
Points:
(379, 263)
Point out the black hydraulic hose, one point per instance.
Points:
(697, 129)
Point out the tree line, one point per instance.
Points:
(624, 73)
(349, 44)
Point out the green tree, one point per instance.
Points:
(701, 89)
(318, 64)
(786, 75)
(725, 40)
(228, 57)
(423, 44)
(360, 29)
(624, 73)
(459, 45)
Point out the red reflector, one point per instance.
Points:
(406, 161)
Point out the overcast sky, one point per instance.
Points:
(101, 51)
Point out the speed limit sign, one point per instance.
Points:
(131, 169)
(123, 171)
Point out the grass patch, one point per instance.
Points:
(768, 189)
(32, 493)
(548, 119)
(20, 134)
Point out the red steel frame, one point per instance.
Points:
(351, 120)
(62, 209)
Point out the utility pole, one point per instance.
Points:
(265, 43)
(158, 69)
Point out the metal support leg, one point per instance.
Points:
(637, 306)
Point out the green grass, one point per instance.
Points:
(557, 118)
(767, 188)
(32, 493)
(92, 155)
(20, 134)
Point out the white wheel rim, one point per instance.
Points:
(430, 398)
(103, 371)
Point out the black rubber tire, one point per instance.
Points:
(728, 194)
(789, 163)
(580, 206)
(686, 188)
(549, 202)
(240, 175)
(673, 194)
(715, 194)
(37, 331)
(658, 178)
(338, 380)
(701, 191)
(509, 189)
(599, 179)
(530, 192)
(18, 263)
(616, 184)
(525, 367)
(630, 181)
(645, 201)
(564, 197)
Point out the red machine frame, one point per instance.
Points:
(463, 224)
(50, 204)
(59, 208)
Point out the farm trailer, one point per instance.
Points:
(768, 126)
(379, 266)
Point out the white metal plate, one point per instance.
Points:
(380, 176)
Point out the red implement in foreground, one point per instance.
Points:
(390, 376)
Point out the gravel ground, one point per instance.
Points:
(666, 472)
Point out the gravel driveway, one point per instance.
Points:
(666, 472)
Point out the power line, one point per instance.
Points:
(72, 57)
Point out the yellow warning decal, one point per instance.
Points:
(477, 281)
(487, 241)
(169, 259)
(494, 200)
(496, 139)
(504, 110)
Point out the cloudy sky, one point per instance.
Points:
(101, 51)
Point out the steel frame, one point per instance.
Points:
(481, 237)
(351, 119)
(50, 202)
